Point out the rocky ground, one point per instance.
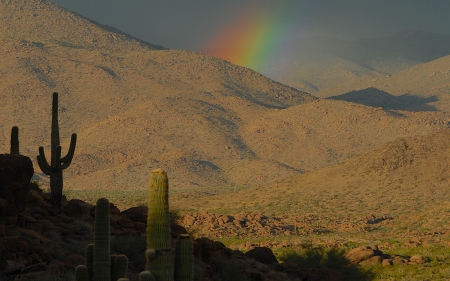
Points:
(244, 225)
(35, 245)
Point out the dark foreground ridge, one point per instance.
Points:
(36, 245)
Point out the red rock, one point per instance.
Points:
(372, 261)
(359, 254)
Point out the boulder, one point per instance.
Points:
(78, 209)
(15, 175)
(363, 253)
(262, 254)
(136, 214)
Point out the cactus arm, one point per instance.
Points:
(90, 260)
(66, 160)
(14, 140)
(81, 273)
(42, 161)
(120, 267)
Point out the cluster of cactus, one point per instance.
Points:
(58, 163)
(100, 264)
(160, 265)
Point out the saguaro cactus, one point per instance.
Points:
(184, 259)
(58, 163)
(159, 253)
(100, 265)
(15, 140)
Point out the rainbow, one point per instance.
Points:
(254, 38)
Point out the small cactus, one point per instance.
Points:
(184, 259)
(81, 273)
(14, 140)
(120, 267)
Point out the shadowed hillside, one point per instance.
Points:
(428, 81)
(377, 98)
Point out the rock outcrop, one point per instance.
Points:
(15, 175)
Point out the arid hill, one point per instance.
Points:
(136, 106)
(405, 179)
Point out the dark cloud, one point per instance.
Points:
(188, 24)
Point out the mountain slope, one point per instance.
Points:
(406, 179)
(41, 20)
(133, 107)
(209, 123)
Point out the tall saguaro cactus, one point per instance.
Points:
(14, 140)
(58, 163)
(159, 253)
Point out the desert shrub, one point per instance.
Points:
(225, 269)
(175, 216)
(320, 257)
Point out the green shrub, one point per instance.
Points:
(320, 257)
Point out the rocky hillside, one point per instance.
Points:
(136, 107)
(34, 245)
(402, 183)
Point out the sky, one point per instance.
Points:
(243, 30)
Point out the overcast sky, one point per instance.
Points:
(191, 24)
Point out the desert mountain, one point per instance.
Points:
(136, 106)
(319, 64)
